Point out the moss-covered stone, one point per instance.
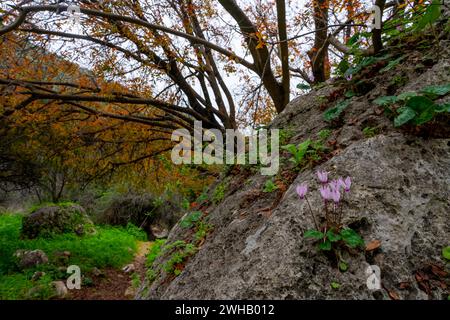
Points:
(56, 219)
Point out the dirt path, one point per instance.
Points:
(114, 284)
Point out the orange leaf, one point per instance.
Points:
(375, 244)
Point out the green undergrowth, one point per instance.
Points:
(109, 247)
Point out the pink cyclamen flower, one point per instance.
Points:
(325, 192)
(348, 77)
(323, 176)
(302, 189)
(334, 185)
(346, 183)
(336, 195)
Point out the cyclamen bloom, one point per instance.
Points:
(336, 195)
(334, 185)
(345, 183)
(325, 192)
(323, 176)
(302, 189)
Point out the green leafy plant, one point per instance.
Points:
(333, 236)
(191, 219)
(185, 204)
(269, 186)
(183, 251)
(432, 13)
(347, 236)
(303, 86)
(335, 285)
(324, 134)
(334, 112)
(417, 108)
(369, 132)
(219, 193)
(446, 252)
(298, 152)
(392, 64)
(202, 230)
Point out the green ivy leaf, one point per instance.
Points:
(436, 91)
(315, 234)
(446, 252)
(385, 100)
(352, 238)
(336, 111)
(405, 115)
(332, 236)
(325, 246)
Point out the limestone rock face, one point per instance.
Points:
(400, 196)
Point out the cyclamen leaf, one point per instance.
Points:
(351, 238)
(436, 91)
(442, 107)
(386, 100)
(325, 246)
(336, 111)
(333, 237)
(314, 234)
(446, 252)
(419, 103)
(406, 115)
(424, 117)
(406, 95)
(391, 64)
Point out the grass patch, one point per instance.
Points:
(109, 247)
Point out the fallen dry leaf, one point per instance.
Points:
(404, 285)
(437, 271)
(394, 295)
(375, 244)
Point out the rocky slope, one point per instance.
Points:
(400, 197)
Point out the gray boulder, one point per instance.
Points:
(400, 198)
(57, 219)
(30, 258)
